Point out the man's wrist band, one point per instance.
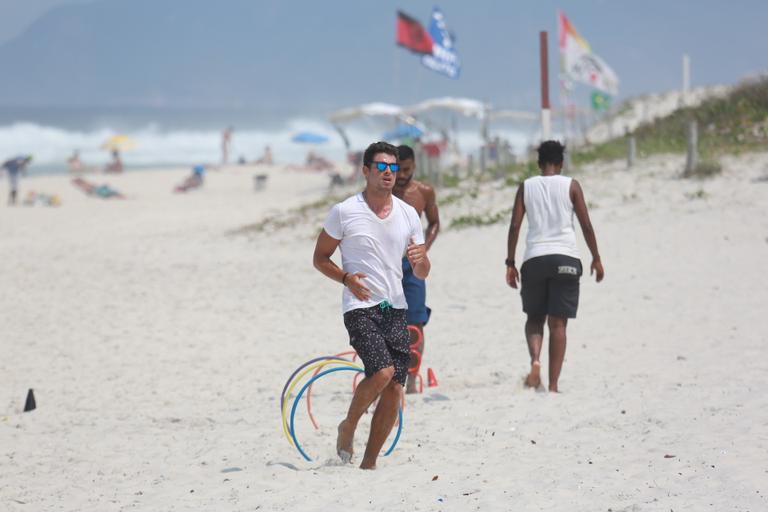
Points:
(509, 262)
(344, 279)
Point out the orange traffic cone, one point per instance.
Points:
(431, 379)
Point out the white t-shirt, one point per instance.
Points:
(374, 247)
(550, 217)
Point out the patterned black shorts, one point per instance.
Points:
(380, 337)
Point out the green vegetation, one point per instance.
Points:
(451, 181)
(288, 219)
(703, 170)
(699, 194)
(319, 205)
(450, 199)
(514, 174)
(613, 149)
(467, 221)
(732, 124)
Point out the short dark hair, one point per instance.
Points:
(551, 152)
(376, 148)
(405, 152)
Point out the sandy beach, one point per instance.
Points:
(157, 335)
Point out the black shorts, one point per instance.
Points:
(380, 337)
(550, 285)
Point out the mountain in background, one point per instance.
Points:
(180, 53)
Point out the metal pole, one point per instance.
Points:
(546, 121)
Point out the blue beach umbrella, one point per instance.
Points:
(17, 162)
(310, 138)
(404, 131)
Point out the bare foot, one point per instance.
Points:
(345, 442)
(533, 380)
(553, 388)
(367, 465)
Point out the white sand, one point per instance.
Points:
(157, 345)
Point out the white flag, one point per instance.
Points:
(579, 64)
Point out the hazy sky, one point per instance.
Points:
(18, 14)
(643, 40)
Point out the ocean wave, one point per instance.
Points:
(51, 146)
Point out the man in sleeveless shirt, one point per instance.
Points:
(551, 267)
(374, 230)
(422, 197)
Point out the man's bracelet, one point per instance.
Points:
(344, 279)
(509, 262)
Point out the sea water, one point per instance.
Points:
(186, 137)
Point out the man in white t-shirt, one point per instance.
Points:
(374, 230)
(551, 266)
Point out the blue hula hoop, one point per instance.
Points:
(315, 360)
(313, 379)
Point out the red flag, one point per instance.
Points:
(412, 35)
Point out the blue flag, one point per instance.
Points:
(444, 59)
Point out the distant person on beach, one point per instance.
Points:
(116, 165)
(551, 266)
(74, 163)
(103, 191)
(193, 181)
(226, 143)
(14, 167)
(422, 197)
(316, 162)
(374, 229)
(266, 158)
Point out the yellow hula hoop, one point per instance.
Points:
(296, 380)
(298, 377)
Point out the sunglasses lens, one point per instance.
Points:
(382, 166)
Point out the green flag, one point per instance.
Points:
(600, 101)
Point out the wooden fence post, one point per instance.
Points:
(692, 159)
(631, 150)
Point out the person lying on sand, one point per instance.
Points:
(193, 181)
(102, 191)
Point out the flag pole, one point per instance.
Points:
(686, 78)
(546, 122)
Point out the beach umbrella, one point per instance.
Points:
(18, 161)
(366, 110)
(464, 106)
(404, 131)
(119, 143)
(309, 138)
